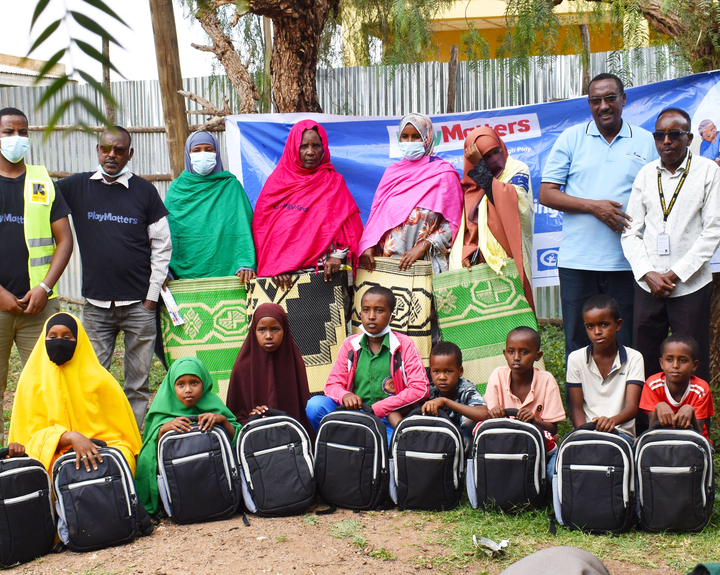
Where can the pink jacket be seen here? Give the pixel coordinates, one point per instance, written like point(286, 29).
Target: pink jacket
point(408, 373)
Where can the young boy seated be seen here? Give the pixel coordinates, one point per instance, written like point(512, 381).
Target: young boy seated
point(522, 386)
point(378, 367)
point(675, 397)
point(450, 391)
point(604, 380)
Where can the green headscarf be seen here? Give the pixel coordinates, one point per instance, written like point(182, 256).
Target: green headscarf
point(165, 407)
point(210, 220)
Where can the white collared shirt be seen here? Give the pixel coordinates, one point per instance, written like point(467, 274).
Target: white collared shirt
point(693, 225)
point(160, 248)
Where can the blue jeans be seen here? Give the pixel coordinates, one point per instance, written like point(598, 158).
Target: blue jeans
point(320, 405)
point(578, 286)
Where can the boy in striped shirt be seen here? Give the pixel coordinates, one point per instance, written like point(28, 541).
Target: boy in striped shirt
point(675, 397)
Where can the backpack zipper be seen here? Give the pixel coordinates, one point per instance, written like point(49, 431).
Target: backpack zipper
point(21, 498)
point(181, 460)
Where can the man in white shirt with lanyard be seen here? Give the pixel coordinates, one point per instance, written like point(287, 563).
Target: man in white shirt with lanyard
point(674, 231)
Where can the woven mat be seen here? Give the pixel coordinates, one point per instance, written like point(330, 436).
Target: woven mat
point(215, 314)
point(413, 290)
point(476, 309)
point(316, 315)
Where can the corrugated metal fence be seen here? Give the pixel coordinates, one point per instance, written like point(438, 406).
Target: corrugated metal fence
point(376, 91)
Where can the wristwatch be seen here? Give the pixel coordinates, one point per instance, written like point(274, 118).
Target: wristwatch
point(48, 290)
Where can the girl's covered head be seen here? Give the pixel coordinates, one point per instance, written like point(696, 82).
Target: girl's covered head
point(269, 326)
point(190, 380)
point(61, 334)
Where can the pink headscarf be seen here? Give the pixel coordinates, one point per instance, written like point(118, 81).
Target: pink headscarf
point(301, 212)
point(430, 183)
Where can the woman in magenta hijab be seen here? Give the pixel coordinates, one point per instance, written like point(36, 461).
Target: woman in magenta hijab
point(305, 217)
point(418, 204)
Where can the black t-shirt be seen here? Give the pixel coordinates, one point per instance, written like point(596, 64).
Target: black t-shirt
point(14, 274)
point(111, 224)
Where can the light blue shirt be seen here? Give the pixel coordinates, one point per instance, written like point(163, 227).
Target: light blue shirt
point(590, 168)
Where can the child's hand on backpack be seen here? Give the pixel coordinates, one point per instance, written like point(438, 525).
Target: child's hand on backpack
point(605, 424)
point(179, 424)
point(683, 418)
point(259, 410)
point(525, 415)
point(431, 407)
point(206, 421)
point(16, 449)
point(497, 412)
point(352, 401)
point(665, 414)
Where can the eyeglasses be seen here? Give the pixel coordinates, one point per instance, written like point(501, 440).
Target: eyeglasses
point(609, 99)
point(674, 135)
point(119, 151)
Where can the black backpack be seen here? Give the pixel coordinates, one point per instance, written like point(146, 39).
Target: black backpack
point(427, 465)
point(507, 468)
point(676, 480)
point(99, 508)
point(27, 521)
point(197, 475)
point(274, 453)
point(594, 481)
point(351, 459)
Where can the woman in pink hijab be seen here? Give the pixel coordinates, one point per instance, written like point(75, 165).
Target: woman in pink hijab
point(418, 204)
point(305, 217)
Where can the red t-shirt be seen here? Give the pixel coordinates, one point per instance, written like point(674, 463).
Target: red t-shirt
point(697, 395)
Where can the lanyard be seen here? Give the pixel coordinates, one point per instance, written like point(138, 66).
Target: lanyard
point(668, 209)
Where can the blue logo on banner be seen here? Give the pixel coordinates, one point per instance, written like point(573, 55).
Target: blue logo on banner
point(547, 259)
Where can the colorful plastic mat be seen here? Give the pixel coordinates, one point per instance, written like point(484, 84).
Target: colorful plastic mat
point(476, 309)
point(216, 324)
point(413, 290)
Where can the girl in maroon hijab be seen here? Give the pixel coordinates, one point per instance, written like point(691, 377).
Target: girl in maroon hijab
point(305, 216)
point(269, 371)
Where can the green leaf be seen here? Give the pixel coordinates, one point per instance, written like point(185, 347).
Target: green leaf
point(93, 110)
point(95, 54)
point(41, 5)
point(52, 89)
point(55, 118)
point(51, 62)
point(93, 26)
point(104, 92)
point(45, 35)
point(100, 5)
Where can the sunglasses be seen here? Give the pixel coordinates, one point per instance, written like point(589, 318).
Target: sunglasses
point(609, 99)
point(674, 135)
point(119, 151)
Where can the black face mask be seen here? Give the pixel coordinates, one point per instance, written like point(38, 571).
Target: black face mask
point(60, 351)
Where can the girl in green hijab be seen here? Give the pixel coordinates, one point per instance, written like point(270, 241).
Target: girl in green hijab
point(186, 391)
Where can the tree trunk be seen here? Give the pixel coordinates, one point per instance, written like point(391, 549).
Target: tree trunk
point(225, 52)
point(715, 330)
point(297, 27)
point(168, 61)
point(452, 79)
point(109, 108)
point(585, 36)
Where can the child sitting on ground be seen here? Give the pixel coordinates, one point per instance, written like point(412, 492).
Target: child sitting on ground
point(450, 391)
point(675, 397)
point(379, 367)
point(604, 380)
point(522, 386)
point(186, 391)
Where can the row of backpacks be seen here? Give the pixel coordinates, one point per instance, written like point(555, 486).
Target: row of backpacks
point(600, 483)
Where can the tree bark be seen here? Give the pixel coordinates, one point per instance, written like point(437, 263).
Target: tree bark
point(225, 52)
point(168, 61)
point(452, 79)
point(297, 29)
point(585, 36)
point(715, 331)
point(109, 108)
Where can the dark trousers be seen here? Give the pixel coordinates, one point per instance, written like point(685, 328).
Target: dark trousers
point(688, 314)
point(578, 286)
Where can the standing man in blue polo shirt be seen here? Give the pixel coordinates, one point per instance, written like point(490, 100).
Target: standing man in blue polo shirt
point(596, 163)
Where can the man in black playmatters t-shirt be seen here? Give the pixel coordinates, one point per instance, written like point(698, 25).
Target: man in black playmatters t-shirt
point(35, 244)
point(122, 231)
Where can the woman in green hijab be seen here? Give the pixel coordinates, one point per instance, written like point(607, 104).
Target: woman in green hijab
point(210, 217)
point(186, 391)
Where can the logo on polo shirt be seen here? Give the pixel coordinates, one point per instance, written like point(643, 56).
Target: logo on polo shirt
point(110, 217)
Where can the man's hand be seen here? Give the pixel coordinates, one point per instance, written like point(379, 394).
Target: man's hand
point(660, 284)
point(332, 265)
point(609, 213)
point(352, 401)
point(9, 303)
point(665, 414)
point(150, 305)
point(605, 424)
point(34, 301)
point(431, 407)
point(367, 259)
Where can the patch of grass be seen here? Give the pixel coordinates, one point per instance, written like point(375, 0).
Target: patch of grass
point(359, 541)
point(281, 539)
point(345, 528)
point(382, 553)
point(311, 519)
point(553, 347)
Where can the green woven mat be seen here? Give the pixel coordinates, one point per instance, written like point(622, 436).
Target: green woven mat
point(215, 314)
point(413, 291)
point(476, 309)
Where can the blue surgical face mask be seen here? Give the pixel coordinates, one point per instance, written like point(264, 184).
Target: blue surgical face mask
point(383, 333)
point(120, 173)
point(203, 162)
point(14, 148)
point(412, 151)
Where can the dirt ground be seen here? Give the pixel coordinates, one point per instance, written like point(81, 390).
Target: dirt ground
point(388, 542)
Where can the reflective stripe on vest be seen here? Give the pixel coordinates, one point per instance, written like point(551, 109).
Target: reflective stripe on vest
point(39, 194)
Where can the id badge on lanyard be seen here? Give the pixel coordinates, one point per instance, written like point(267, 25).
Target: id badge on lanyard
point(663, 239)
point(663, 244)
